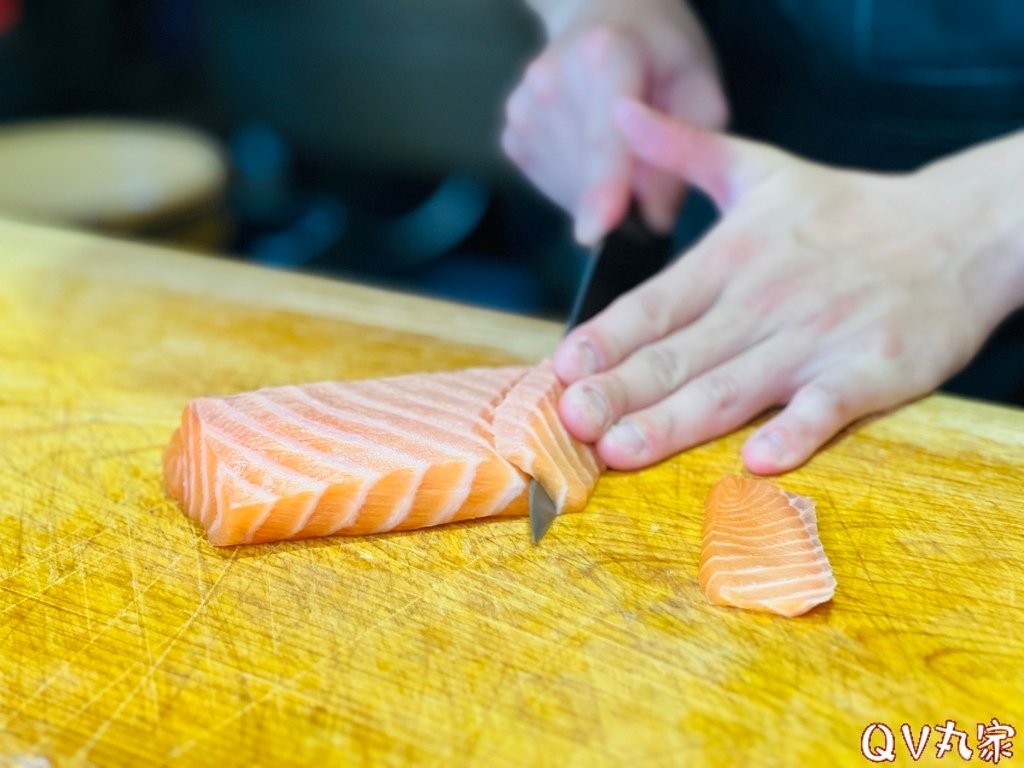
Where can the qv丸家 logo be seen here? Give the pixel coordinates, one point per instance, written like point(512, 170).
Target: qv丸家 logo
point(878, 742)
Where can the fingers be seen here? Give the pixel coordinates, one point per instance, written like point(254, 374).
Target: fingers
point(665, 303)
point(659, 195)
point(697, 94)
point(819, 410)
point(722, 166)
point(716, 402)
point(589, 407)
point(560, 132)
point(605, 199)
point(608, 69)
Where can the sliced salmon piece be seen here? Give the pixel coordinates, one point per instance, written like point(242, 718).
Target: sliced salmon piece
point(529, 433)
point(371, 456)
point(761, 551)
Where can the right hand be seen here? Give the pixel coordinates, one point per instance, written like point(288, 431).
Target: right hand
point(559, 129)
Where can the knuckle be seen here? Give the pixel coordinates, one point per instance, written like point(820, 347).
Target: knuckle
point(599, 41)
point(655, 311)
point(828, 403)
point(831, 314)
point(615, 390)
point(720, 391)
point(886, 343)
point(667, 367)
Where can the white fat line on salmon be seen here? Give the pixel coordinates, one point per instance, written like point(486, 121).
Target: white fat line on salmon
point(301, 520)
point(331, 461)
point(197, 478)
point(804, 601)
point(355, 417)
point(822, 583)
point(566, 444)
point(457, 384)
point(464, 378)
point(802, 574)
point(401, 510)
point(563, 492)
point(484, 405)
point(206, 500)
point(803, 555)
point(531, 395)
point(186, 459)
point(493, 399)
point(419, 466)
point(279, 474)
point(398, 459)
point(458, 499)
point(311, 505)
point(226, 472)
point(737, 543)
point(357, 502)
point(375, 405)
point(820, 571)
point(754, 531)
point(483, 379)
point(449, 403)
point(515, 488)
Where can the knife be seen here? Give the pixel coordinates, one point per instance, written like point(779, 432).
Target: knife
point(626, 257)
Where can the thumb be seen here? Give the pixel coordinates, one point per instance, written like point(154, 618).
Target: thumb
point(722, 166)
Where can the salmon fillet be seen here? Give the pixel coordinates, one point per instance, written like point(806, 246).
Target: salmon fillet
point(761, 551)
point(357, 457)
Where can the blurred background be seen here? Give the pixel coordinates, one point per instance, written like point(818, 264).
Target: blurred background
point(356, 139)
point(361, 137)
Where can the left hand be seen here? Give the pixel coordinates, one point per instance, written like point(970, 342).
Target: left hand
point(838, 292)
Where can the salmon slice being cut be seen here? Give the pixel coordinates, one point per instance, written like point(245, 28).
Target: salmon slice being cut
point(355, 457)
point(761, 551)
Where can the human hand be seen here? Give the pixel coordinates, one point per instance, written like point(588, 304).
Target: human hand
point(838, 292)
point(558, 125)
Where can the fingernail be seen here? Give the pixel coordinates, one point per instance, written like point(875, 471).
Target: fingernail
point(584, 358)
point(591, 405)
point(628, 437)
point(769, 445)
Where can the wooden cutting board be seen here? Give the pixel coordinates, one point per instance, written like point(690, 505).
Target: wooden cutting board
point(127, 640)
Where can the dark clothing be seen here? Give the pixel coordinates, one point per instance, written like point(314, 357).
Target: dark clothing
point(883, 84)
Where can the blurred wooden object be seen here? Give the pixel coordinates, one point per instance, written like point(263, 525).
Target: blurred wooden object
point(138, 179)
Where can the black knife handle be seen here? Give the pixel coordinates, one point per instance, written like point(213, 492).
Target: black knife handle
point(629, 255)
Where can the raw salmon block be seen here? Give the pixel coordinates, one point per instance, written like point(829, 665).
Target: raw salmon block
point(355, 457)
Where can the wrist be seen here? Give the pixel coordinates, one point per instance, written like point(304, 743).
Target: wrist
point(993, 261)
point(982, 205)
point(1015, 260)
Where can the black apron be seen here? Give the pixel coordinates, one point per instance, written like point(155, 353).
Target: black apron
point(878, 84)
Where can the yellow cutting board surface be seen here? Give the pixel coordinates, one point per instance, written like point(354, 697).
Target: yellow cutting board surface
point(127, 640)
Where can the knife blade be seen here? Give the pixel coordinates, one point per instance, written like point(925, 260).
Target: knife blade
point(627, 256)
